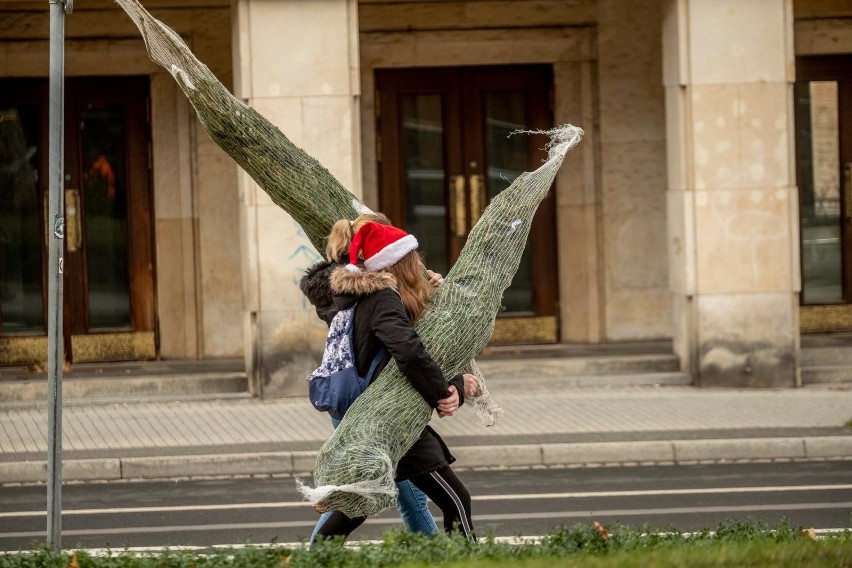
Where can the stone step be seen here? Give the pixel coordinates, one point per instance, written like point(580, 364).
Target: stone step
point(132, 380)
point(196, 385)
point(568, 367)
point(827, 374)
point(823, 356)
point(499, 383)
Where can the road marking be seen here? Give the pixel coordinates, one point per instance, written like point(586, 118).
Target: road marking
point(665, 511)
point(653, 492)
point(509, 497)
point(595, 514)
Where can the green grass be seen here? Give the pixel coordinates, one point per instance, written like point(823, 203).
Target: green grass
point(731, 544)
point(798, 554)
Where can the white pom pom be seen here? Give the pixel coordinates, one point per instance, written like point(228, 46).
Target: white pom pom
point(352, 268)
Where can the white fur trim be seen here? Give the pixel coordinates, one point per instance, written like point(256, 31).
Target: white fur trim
point(392, 253)
point(352, 268)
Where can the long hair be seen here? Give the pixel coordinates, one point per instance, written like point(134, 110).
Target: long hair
point(413, 287)
point(338, 241)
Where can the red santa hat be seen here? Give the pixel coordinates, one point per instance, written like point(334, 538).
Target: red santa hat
point(381, 246)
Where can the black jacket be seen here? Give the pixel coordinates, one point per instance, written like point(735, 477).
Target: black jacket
point(381, 319)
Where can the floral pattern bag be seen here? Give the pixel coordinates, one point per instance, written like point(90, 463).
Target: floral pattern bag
point(335, 384)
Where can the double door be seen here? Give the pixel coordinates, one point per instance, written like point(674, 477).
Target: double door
point(823, 95)
point(447, 144)
point(108, 272)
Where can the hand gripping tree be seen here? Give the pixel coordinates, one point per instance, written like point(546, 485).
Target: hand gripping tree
point(355, 467)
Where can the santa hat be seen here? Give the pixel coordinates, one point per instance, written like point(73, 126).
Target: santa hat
point(381, 245)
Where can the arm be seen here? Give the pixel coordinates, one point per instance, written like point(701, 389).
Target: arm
point(390, 324)
point(461, 386)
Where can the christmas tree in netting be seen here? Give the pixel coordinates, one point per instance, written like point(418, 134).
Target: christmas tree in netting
point(355, 467)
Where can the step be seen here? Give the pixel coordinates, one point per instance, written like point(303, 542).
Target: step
point(129, 381)
point(826, 356)
point(625, 364)
point(819, 349)
point(502, 383)
point(567, 367)
point(200, 385)
point(827, 374)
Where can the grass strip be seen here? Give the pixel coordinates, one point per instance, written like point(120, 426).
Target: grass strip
point(733, 543)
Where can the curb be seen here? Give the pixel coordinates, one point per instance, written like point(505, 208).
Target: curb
point(521, 455)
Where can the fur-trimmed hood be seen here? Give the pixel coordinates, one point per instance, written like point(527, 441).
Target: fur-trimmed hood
point(315, 286)
point(360, 283)
point(329, 287)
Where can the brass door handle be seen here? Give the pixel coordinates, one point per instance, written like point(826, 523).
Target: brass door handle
point(73, 232)
point(458, 224)
point(847, 190)
point(477, 197)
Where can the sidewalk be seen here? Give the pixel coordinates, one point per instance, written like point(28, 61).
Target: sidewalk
point(540, 427)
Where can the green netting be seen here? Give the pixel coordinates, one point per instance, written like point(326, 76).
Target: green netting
point(354, 471)
point(355, 467)
point(295, 181)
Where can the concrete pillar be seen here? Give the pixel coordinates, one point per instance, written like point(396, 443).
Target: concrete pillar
point(732, 203)
point(295, 62)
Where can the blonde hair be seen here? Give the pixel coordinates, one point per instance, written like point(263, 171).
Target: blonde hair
point(410, 272)
point(411, 283)
point(342, 231)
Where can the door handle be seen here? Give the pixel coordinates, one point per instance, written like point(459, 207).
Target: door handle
point(477, 197)
point(847, 191)
point(458, 226)
point(73, 234)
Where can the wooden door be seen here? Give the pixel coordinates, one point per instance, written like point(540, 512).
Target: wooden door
point(445, 150)
point(108, 263)
point(823, 95)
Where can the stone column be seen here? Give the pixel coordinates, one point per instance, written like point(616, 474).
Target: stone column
point(295, 62)
point(732, 202)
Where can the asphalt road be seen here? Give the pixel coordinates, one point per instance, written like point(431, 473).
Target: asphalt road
point(510, 503)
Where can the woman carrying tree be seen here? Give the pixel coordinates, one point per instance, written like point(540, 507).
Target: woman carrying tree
point(315, 285)
point(392, 293)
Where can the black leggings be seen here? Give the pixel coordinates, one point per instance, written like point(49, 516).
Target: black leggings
point(441, 486)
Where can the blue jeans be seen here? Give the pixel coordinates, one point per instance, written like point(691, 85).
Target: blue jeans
point(411, 503)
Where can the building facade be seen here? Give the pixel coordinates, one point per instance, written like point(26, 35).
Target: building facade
point(707, 205)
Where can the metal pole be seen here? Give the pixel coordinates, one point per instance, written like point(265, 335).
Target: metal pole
point(56, 229)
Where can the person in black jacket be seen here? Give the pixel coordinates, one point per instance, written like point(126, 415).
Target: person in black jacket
point(411, 502)
point(392, 293)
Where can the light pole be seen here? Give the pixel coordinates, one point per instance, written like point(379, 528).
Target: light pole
point(56, 233)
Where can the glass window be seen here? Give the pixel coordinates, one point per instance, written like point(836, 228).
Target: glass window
point(105, 214)
point(505, 112)
point(425, 179)
point(21, 245)
point(819, 196)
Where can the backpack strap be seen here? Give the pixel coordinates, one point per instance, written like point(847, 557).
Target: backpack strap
point(375, 363)
point(350, 329)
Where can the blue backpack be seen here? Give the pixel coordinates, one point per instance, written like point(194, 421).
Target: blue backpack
point(335, 384)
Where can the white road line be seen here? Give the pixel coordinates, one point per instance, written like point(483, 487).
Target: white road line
point(187, 528)
point(596, 514)
point(509, 497)
point(653, 492)
point(665, 511)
